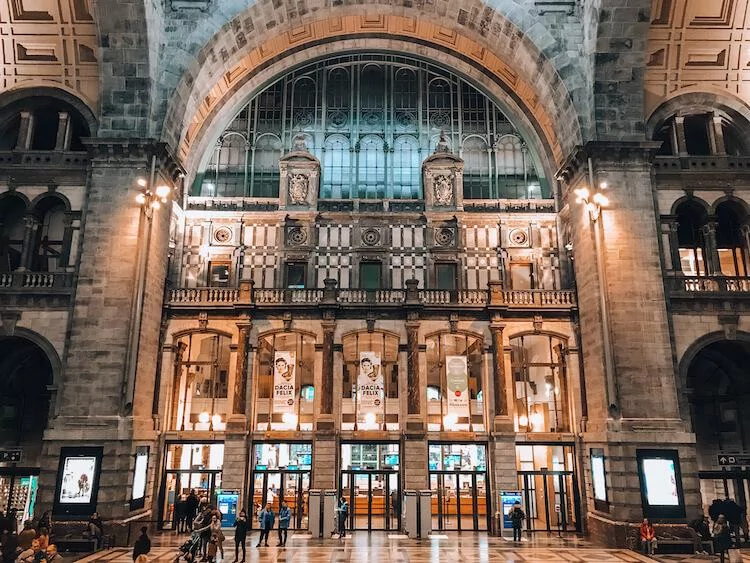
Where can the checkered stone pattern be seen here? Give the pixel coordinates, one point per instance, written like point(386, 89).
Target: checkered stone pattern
point(260, 260)
point(193, 260)
point(333, 265)
point(480, 260)
point(408, 256)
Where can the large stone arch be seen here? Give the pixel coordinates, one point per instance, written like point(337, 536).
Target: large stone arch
point(240, 54)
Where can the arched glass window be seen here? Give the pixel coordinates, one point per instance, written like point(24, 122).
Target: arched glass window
point(454, 371)
point(336, 168)
point(406, 168)
point(691, 218)
point(730, 216)
point(200, 392)
point(370, 381)
point(388, 110)
point(476, 168)
point(265, 167)
point(285, 358)
point(12, 210)
point(540, 384)
point(371, 177)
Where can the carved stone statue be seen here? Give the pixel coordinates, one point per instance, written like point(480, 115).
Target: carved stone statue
point(299, 186)
point(442, 186)
point(442, 145)
point(298, 143)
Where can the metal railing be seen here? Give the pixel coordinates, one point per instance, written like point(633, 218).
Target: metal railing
point(37, 281)
point(708, 284)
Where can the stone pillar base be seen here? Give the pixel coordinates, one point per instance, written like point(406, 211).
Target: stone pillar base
point(503, 424)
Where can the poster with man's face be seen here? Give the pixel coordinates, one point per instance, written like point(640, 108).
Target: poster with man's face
point(284, 396)
point(457, 379)
point(77, 480)
point(370, 387)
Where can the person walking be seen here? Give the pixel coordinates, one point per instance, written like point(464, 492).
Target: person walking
point(142, 545)
point(202, 524)
point(215, 537)
point(285, 516)
point(517, 516)
point(343, 514)
point(648, 537)
point(722, 537)
point(240, 535)
point(266, 519)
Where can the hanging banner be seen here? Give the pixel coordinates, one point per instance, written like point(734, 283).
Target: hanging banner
point(370, 388)
point(457, 379)
point(283, 381)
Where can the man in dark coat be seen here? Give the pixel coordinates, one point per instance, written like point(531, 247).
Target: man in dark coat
point(191, 507)
point(142, 545)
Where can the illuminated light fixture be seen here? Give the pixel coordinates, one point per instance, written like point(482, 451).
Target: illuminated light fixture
point(215, 420)
point(155, 204)
point(162, 191)
point(450, 420)
point(370, 419)
point(140, 198)
point(290, 419)
point(204, 417)
point(141, 182)
point(603, 185)
point(523, 421)
point(593, 202)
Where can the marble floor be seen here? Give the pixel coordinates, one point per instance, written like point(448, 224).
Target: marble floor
point(381, 548)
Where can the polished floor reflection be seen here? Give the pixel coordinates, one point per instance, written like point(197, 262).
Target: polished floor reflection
point(364, 547)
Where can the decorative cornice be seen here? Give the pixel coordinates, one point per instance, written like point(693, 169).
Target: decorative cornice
point(610, 152)
point(126, 149)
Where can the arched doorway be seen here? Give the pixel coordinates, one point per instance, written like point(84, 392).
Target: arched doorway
point(718, 391)
point(26, 375)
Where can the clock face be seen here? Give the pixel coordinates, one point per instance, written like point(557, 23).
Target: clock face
point(222, 235)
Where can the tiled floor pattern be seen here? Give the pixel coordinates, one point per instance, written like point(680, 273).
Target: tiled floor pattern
point(696, 558)
point(372, 549)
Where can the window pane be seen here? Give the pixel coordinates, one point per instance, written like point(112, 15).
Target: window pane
point(369, 275)
point(446, 276)
point(691, 260)
point(296, 275)
point(219, 274)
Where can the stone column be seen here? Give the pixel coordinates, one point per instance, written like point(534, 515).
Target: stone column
point(25, 131)
point(679, 133)
point(674, 244)
point(239, 406)
point(711, 258)
point(414, 396)
point(62, 143)
point(31, 225)
point(717, 136)
point(326, 387)
point(498, 370)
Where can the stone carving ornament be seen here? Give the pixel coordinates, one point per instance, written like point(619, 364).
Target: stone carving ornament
point(444, 236)
point(442, 187)
point(370, 237)
point(299, 186)
point(297, 236)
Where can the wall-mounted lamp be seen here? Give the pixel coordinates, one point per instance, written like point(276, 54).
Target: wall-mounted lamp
point(151, 198)
point(593, 201)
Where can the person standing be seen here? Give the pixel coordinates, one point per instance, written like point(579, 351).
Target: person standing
point(648, 537)
point(722, 537)
point(179, 514)
point(9, 546)
point(191, 507)
point(343, 513)
point(267, 519)
point(142, 545)
point(285, 515)
point(517, 516)
point(26, 536)
point(240, 535)
point(43, 538)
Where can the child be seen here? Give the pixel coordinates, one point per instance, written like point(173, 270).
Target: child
point(213, 544)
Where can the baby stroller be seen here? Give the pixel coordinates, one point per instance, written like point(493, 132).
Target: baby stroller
point(189, 549)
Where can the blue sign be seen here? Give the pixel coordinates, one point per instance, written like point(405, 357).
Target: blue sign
point(227, 504)
point(507, 500)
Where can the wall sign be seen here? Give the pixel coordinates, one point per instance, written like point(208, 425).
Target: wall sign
point(661, 483)
point(599, 480)
point(140, 473)
point(77, 482)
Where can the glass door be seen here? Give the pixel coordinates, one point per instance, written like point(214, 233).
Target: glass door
point(374, 499)
point(178, 484)
point(550, 501)
point(275, 486)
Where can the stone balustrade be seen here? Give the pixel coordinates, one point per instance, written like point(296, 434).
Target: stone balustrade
point(707, 285)
point(37, 282)
point(470, 298)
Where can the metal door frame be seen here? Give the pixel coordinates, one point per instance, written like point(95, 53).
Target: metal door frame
point(440, 474)
point(565, 495)
point(282, 480)
point(351, 473)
